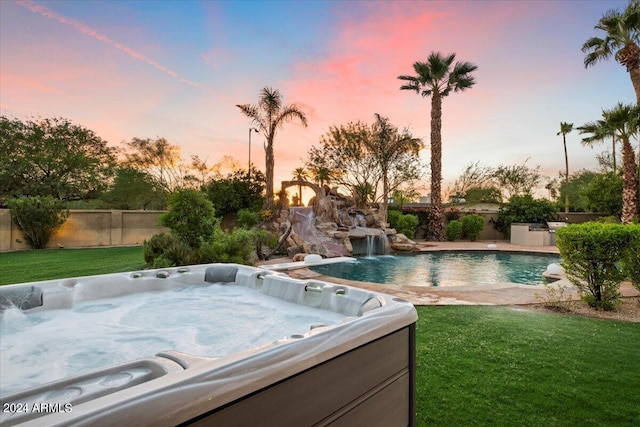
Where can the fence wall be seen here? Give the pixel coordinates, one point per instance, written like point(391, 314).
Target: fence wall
point(87, 228)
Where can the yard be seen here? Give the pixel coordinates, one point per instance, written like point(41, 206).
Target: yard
point(476, 365)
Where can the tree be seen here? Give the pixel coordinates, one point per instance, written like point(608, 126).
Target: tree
point(52, 157)
point(437, 78)
point(353, 156)
point(600, 130)
point(565, 128)
point(342, 155)
point(388, 146)
point(300, 174)
point(575, 190)
point(621, 41)
point(268, 115)
point(39, 218)
point(161, 160)
point(516, 180)
point(134, 189)
point(623, 121)
point(238, 190)
point(603, 194)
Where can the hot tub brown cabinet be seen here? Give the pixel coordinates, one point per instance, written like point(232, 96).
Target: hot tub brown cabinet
point(372, 385)
point(359, 371)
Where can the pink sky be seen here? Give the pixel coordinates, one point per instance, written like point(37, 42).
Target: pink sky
point(177, 70)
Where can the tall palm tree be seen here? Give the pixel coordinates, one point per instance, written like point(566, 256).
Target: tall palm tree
point(621, 41)
point(437, 77)
point(268, 115)
point(387, 146)
point(300, 174)
point(623, 120)
point(565, 128)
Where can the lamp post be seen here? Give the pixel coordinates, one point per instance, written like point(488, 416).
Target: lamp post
point(249, 166)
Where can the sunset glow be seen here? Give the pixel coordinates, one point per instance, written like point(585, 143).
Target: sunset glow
point(176, 70)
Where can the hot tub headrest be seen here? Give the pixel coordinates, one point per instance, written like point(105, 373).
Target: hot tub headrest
point(221, 274)
point(22, 297)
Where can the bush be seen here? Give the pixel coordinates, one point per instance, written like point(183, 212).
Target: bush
point(472, 226)
point(38, 218)
point(524, 209)
point(631, 261)
point(191, 217)
point(454, 230)
point(407, 225)
point(166, 250)
point(591, 254)
point(247, 218)
point(237, 246)
point(392, 218)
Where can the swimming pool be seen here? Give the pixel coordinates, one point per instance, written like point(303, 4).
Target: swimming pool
point(450, 268)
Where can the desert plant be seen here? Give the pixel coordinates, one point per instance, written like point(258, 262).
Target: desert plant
point(591, 254)
point(38, 218)
point(472, 226)
point(454, 230)
point(236, 246)
point(166, 250)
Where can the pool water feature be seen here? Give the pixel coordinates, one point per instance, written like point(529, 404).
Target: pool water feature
point(445, 268)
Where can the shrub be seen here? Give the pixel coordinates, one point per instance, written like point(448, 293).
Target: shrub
point(454, 230)
point(247, 218)
point(166, 250)
point(237, 246)
point(591, 254)
point(38, 218)
point(524, 209)
point(392, 218)
point(191, 216)
point(631, 261)
point(407, 225)
point(472, 226)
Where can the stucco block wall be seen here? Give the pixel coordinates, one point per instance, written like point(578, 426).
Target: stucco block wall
point(87, 228)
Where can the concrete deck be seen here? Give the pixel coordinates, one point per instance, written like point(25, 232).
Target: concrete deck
point(497, 294)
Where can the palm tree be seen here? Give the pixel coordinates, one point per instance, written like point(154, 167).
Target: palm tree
point(300, 174)
point(623, 121)
point(387, 146)
point(437, 78)
point(600, 130)
point(621, 41)
point(565, 128)
point(268, 116)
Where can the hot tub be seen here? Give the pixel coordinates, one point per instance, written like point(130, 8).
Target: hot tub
point(356, 367)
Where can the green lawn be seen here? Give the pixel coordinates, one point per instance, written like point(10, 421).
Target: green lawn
point(477, 365)
point(46, 264)
point(488, 366)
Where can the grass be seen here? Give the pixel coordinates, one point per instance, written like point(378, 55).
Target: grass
point(479, 366)
point(47, 264)
point(476, 365)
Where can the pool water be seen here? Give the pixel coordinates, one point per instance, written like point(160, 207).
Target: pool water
point(445, 268)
